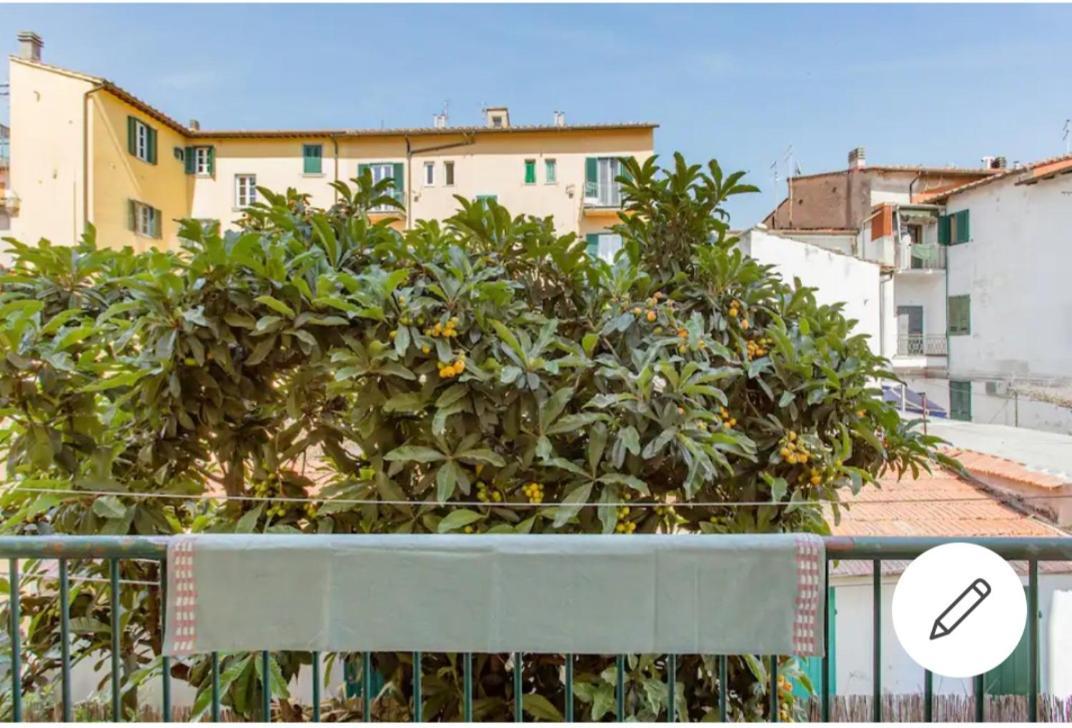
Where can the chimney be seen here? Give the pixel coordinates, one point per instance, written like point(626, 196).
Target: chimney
point(194, 125)
point(998, 163)
point(497, 117)
point(857, 160)
point(30, 45)
point(439, 121)
point(988, 162)
point(560, 118)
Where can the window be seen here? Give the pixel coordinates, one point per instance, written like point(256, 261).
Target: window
point(429, 174)
point(448, 173)
point(530, 171)
point(141, 140)
point(144, 219)
point(245, 189)
point(959, 313)
point(601, 188)
point(603, 245)
point(312, 159)
point(954, 228)
point(960, 400)
point(385, 170)
point(203, 160)
point(550, 171)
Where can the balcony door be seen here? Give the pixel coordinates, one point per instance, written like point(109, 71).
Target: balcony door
point(910, 330)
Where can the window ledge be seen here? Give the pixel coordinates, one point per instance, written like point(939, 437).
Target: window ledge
point(313, 174)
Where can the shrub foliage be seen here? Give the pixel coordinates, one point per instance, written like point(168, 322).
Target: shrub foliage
point(480, 375)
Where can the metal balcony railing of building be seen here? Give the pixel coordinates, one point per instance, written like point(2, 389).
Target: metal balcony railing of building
point(922, 345)
point(921, 256)
point(114, 550)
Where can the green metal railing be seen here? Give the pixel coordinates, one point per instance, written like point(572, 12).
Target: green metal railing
point(876, 550)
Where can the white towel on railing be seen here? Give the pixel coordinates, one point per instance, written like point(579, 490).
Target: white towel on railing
point(683, 594)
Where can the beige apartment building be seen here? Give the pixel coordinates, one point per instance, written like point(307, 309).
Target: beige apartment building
point(85, 151)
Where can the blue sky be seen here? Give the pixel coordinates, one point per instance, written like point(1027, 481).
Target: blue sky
point(933, 84)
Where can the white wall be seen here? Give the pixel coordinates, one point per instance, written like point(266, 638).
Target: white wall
point(837, 278)
point(900, 675)
point(1016, 270)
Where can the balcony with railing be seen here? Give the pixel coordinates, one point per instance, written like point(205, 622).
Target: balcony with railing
point(922, 345)
point(922, 257)
point(602, 191)
point(29, 583)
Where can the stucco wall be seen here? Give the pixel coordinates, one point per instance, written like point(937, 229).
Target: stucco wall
point(837, 278)
point(117, 176)
point(1015, 268)
point(46, 153)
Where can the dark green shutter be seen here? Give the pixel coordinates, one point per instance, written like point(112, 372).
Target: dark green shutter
point(1011, 677)
point(963, 231)
point(362, 169)
point(530, 171)
point(191, 159)
point(591, 177)
point(150, 136)
point(623, 171)
point(132, 135)
point(312, 156)
point(132, 215)
point(960, 400)
point(958, 312)
point(593, 244)
point(400, 182)
point(212, 161)
point(944, 229)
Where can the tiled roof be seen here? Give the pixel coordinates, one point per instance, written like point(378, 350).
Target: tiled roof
point(324, 133)
point(918, 169)
point(936, 504)
point(977, 462)
point(1030, 173)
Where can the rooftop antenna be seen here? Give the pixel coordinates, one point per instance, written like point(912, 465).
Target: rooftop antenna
point(1067, 136)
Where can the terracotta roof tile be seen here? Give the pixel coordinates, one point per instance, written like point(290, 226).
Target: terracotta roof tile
point(977, 462)
point(1026, 171)
point(936, 504)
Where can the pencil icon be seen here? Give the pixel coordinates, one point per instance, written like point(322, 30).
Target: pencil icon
point(961, 607)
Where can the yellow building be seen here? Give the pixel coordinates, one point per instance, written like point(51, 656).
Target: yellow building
point(85, 151)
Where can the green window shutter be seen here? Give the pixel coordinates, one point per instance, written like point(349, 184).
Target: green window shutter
point(591, 177)
point(400, 182)
point(212, 161)
point(530, 171)
point(190, 155)
point(151, 138)
point(1011, 677)
point(944, 229)
point(963, 231)
point(362, 170)
point(593, 244)
point(157, 224)
point(132, 135)
point(623, 171)
point(959, 315)
point(132, 215)
point(312, 155)
point(960, 400)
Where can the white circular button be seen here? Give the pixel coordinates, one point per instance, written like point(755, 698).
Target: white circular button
point(959, 610)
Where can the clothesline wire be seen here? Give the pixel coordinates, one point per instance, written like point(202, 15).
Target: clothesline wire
point(529, 505)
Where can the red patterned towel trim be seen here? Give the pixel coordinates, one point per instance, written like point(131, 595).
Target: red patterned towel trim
point(807, 629)
point(182, 598)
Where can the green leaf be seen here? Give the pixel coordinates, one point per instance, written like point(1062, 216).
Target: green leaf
point(276, 305)
point(415, 454)
point(249, 519)
point(457, 519)
point(108, 506)
point(571, 504)
point(540, 707)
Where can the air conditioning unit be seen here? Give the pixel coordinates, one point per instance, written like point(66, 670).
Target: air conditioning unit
point(997, 389)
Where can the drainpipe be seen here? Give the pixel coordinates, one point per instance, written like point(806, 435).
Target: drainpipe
point(467, 139)
point(335, 145)
point(85, 157)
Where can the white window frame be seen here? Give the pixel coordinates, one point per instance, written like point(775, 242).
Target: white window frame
point(141, 140)
point(608, 192)
point(241, 194)
point(448, 173)
point(609, 245)
point(381, 171)
point(429, 174)
point(550, 171)
point(144, 220)
point(201, 162)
